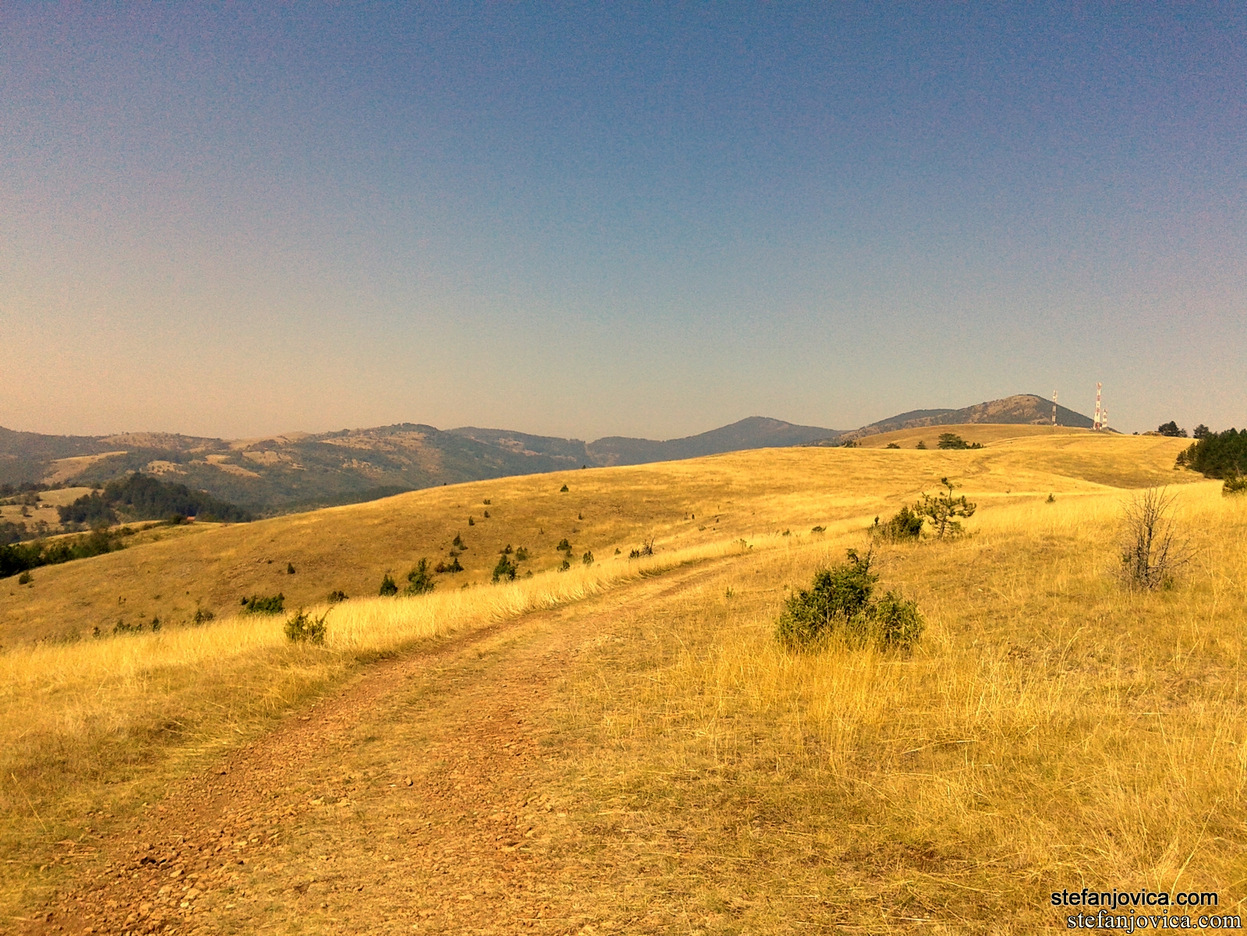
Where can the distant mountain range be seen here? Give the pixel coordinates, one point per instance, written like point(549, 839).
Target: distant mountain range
point(302, 470)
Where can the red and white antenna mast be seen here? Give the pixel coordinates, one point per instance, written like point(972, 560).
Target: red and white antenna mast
point(1098, 423)
point(1054, 407)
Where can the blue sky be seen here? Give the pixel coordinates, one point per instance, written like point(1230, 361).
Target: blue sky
point(589, 220)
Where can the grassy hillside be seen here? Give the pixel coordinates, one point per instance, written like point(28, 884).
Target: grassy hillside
point(675, 504)
point(1051, 730)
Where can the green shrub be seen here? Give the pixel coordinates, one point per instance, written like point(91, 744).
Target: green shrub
point(564, 545)
point(25, 578)
point(457, 543)
point(892, 445)
point(838, 604)
point(1235, 485)
point(388, 588)
point(587, 558)
point(896, 623)
point(565, 565)
point(202, 616)
point(263, 604)
point(420, 579)
point(563, 489)
point(521, 555)
point(921, 444)
point(336, 596)
point(303, 628)
point(290, 568)
point(471, 522)
point(905, 524)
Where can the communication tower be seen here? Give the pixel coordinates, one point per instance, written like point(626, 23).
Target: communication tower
point(1098, 423)
point(1053, 407)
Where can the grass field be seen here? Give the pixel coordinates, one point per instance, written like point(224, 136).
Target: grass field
point(1052, 730)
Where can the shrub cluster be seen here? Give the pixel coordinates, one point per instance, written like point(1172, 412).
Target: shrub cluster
point(263, 604)
point(950, 440)
point(1217, 454)
point(839, 605)
point(21, 557)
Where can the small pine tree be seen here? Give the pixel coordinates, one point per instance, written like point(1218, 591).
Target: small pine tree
point(921, 444)
point(505, 570)
point(420, 579)
point(942, 510)
point(388, 588)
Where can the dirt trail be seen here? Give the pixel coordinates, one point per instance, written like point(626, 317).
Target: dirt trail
point(409, 802)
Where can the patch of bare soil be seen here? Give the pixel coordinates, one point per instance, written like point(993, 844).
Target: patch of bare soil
point(412, 802)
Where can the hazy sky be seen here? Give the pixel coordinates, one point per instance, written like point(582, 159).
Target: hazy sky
point(631, 219)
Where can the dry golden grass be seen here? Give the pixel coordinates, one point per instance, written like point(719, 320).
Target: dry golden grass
point(1052, 730)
